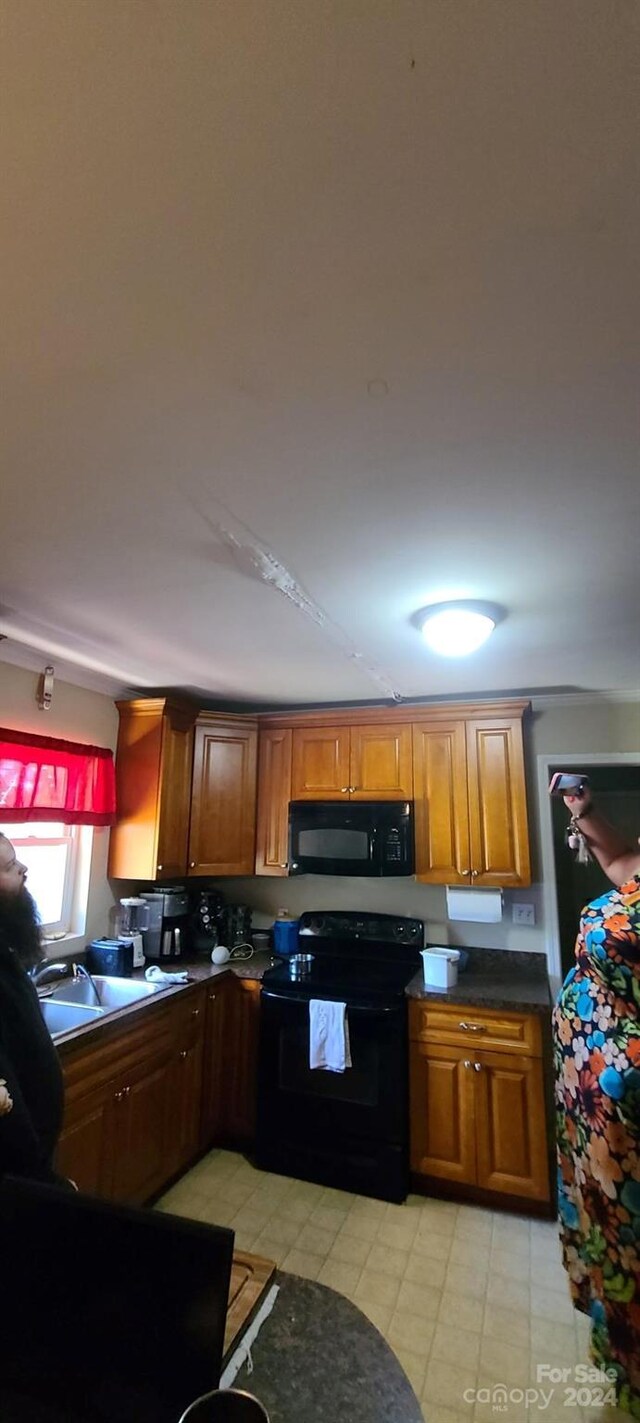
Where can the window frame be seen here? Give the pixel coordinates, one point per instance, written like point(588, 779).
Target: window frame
point(20, 833)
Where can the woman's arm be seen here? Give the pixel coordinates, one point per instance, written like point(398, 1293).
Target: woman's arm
point(613, 851)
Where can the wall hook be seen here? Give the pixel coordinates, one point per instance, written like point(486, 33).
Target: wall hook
point(44, 693)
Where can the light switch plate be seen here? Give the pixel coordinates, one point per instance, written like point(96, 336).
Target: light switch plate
point(524, 914)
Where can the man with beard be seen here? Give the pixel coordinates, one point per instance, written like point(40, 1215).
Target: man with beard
point(31, 1086)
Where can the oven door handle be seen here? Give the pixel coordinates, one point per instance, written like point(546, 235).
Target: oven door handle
point(373, 1008)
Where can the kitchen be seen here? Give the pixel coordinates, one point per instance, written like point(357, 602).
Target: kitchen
point(318, 319)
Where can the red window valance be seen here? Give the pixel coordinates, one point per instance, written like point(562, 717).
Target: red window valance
point(43, 778)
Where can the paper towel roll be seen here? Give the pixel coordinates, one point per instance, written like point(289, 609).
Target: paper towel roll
point(480, 906)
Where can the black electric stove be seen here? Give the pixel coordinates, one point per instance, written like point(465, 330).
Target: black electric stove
point(345, 1129)
point(352, 956)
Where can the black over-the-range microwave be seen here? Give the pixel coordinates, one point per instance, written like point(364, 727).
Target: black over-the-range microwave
point(328, 837)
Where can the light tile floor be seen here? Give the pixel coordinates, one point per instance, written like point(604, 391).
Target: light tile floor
point(468, 1299)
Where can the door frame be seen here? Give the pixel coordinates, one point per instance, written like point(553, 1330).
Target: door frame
point(572, 761)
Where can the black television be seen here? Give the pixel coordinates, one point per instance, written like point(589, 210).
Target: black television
point(108, 1313)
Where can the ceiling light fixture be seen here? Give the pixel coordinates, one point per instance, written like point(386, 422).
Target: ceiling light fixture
point(456, 629)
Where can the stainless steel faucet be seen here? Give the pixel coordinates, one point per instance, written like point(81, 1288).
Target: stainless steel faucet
point(79, 971)
point(45, 970)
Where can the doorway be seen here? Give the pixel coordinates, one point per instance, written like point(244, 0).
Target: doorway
point(617, 791)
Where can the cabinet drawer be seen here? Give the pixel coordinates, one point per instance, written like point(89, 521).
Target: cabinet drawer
point(463, 1024)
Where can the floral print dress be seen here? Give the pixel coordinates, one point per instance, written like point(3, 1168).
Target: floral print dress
point(596, 1024)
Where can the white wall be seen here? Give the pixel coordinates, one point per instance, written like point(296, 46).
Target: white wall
point(75, 715)
point(591, 727)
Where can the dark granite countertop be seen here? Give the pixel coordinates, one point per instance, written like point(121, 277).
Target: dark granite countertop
point(497, 978)
point(318, 1359)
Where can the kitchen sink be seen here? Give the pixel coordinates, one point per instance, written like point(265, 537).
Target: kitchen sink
point(62, 1017)
point(113, 993)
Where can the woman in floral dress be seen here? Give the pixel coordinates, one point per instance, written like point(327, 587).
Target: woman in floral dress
point(596, 1025)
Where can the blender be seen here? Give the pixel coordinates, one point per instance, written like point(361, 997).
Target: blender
point(133, 919)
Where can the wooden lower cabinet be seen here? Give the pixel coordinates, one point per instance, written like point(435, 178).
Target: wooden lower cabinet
point(141, 1102)
point(231, 1061)
point(137, 1132)
point(478, 1117)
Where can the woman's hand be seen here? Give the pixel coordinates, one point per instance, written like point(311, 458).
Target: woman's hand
point(578, 804)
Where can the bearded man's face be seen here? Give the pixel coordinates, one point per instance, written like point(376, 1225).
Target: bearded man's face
point(19, 922)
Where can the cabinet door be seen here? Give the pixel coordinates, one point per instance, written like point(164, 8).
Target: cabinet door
point(222, 832)
point(212, 1118)
point(274, 794)
point(175, 800)
point(138, 1147)
point(498, 830)
point(442, 1136)
point(241, 1032)
point(511, 1125)
point(381, 766)
point(83, 1145)
point(320, 763)
point(441, 809)
point(153, 790)
point(185, 1097)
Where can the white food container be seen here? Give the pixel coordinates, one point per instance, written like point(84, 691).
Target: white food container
point(440, 967)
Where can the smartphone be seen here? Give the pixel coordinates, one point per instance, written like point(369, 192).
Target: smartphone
point(568, 783)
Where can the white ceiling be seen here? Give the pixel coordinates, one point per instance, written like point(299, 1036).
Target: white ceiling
point(348, 285)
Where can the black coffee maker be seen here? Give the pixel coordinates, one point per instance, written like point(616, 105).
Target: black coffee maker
point(207, 910)
point(235, 925)
point(166, 938)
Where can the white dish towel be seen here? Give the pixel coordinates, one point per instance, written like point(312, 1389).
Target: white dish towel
point(329, 1046)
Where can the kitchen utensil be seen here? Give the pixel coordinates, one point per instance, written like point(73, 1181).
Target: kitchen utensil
point(300, 965)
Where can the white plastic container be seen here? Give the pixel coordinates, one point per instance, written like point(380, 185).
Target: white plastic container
point(440, 967)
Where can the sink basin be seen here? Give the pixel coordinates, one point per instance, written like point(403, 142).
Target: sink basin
point(61, 1017)
point(113, 993)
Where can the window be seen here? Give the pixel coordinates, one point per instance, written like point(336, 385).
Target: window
point(50, 851)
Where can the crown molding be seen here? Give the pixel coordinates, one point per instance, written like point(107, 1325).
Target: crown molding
point(582, 699)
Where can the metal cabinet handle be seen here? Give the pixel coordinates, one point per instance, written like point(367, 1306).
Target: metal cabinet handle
point(117, 1096)
point(354, 788)
point(465, 872)
point(127, 1091)
point(195, 1012)
point(474, 873)
point(467, 1063)
point(477, 1067)
point(345, 789)
point(182, 1054)
point(212, 997)
point(192, 864)
point(472, 1027)
point(284, 865)
point(159, 867)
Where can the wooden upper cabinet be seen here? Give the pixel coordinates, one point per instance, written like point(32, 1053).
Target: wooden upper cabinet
point(470, 802)
point(441, 811)
point(320, 763)
point(369, 762)
point(153, 790)
point(381, 764)
point(499, 838)
point(223, 796)
point(274, 794)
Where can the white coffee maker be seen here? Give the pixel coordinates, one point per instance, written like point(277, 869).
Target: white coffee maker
point(133, 919)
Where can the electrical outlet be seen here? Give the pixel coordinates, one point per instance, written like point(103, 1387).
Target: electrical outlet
point(524, 914)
